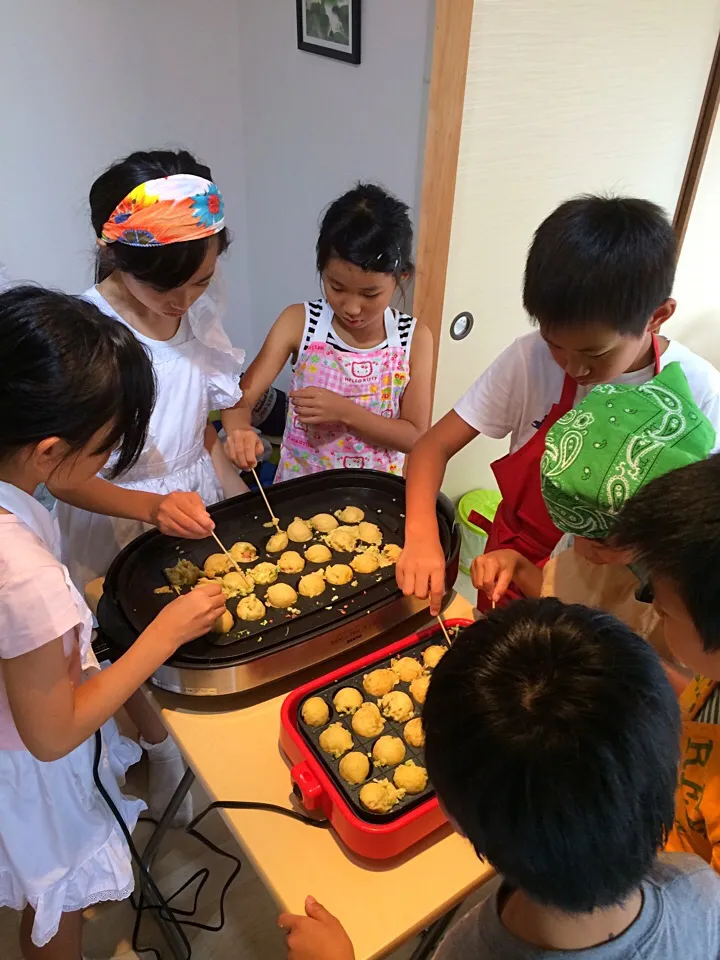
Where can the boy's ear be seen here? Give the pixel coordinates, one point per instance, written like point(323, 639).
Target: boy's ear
point(661, 315)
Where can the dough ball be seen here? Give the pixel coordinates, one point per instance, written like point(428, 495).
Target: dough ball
point(318, 553)
point(369, 533)
point(204, 581)
point(183, 574)
point(367, 562)
point(323, 522)
point(291, 562)
point(281, 596)
point(347, 700)
point(335, 740)
point(224, 623)
point(299, 531)
point(243, 552)
point(380, 796)
point(367, 721)
point(277, 542)
point(234, 584)
point(414, 733)
point(407, 669)
point(433, 655)
point(419, 689)
point(410, 777)
point(390, 554)
point(264, 573)
point(380, 682)
point(251, 608)
point(397, 706)
point(338, 574)
point(315, 712)
point(354, 767)
point(350, 515)
point(311, 585)
point(389, 751)
point(342, 539)
point(216, 564)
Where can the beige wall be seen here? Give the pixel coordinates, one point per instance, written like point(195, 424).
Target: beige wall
point(563, 98)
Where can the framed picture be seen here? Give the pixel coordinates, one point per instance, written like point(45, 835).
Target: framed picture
point(330, 28)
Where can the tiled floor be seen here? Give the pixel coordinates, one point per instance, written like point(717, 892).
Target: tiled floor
point(250, 931)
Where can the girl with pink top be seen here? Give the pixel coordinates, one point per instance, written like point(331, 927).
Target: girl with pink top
point(360, 390)
point(75, 387)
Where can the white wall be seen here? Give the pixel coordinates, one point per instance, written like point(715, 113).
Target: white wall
point(86, 81)
point(313, 126)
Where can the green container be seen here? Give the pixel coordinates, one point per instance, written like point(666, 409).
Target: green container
point(472, 537)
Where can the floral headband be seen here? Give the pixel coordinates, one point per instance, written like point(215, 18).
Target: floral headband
point(170, 210)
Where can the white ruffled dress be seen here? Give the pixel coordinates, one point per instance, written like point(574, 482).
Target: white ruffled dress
point(197, 371)
point(61, 849)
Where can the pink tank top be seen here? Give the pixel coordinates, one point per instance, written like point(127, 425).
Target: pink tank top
point(374, 378)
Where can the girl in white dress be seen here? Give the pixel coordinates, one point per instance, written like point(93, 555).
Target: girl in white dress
point(74, 387)
point(160, 227)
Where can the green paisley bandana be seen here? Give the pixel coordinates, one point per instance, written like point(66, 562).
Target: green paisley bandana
point(617, 439)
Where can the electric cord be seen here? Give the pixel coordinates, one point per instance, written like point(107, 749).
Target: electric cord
point(163, 906)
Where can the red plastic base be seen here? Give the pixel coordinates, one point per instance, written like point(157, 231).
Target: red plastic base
point(317, 790)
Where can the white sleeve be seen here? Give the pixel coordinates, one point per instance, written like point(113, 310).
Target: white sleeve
point(493, 404)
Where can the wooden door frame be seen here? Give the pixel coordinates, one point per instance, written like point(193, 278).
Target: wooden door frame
point(451, 49)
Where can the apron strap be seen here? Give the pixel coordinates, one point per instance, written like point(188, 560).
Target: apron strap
point(656, 352)
point(567, 397)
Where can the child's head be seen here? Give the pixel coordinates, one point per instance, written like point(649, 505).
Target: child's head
point(74, 387)
point(552, 741)
point(363, 252)
point(168, 257)
point(598, 279)
point(673, 526)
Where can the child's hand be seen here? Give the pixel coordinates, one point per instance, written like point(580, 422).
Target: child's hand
point(316, 405)
point(244, 447)
point(191, 615)
point(420, 572)
point(493, 572)
point(182, 515)
point(318, 936)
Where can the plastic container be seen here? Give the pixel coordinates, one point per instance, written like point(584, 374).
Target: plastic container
point(473, 537)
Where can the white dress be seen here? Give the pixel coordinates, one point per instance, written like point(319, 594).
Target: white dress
point(61, 849)
point(197, 371)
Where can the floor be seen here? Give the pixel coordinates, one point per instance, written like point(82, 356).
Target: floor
point(250, 931)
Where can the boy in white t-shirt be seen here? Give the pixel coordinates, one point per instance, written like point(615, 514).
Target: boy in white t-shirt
point(598, 280)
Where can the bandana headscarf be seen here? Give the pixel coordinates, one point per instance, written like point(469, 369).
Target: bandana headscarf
point(616, 440)
point(170, 210)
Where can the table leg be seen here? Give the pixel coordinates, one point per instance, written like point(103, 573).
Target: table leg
point(175, 942)
point(431, 937)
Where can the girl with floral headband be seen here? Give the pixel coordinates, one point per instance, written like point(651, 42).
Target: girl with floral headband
point(360, 392)
point(160, 228)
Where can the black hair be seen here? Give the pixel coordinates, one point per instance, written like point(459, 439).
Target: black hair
point(608, 260)
point(165, 267)
point(369, 228)
point(67, 370)
point(673, 524)
point(553, 742)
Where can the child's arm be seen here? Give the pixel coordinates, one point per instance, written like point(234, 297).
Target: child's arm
point(175, 514)
point(421, 568)
point(281, 343)
point(494, 572)
point(317, 936)
point(53, 717)
point(316, 405)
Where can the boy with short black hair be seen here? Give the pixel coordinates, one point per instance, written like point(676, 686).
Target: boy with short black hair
point(598, 284)
point(673, 526)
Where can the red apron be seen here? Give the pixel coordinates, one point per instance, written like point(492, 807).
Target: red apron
point(522, 522)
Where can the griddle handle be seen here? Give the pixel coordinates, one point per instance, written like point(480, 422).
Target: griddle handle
point(309, 787)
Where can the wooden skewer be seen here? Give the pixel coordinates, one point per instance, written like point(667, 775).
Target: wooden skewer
point(444, 630)
point(231, 559)
point(274, 519)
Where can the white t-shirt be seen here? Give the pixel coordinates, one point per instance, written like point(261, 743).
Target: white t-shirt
point(515, 394)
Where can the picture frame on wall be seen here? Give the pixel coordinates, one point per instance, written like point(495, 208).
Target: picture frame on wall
point(330, 28)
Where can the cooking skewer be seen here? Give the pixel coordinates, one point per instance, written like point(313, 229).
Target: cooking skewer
point(444, 630)
point(276, 522)
point(231, 559)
